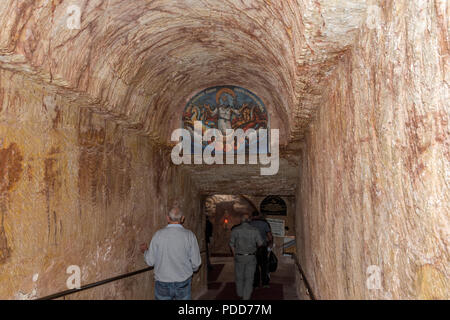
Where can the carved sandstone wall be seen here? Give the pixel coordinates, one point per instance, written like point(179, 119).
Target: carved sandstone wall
point(375, 165)
point(78, 189)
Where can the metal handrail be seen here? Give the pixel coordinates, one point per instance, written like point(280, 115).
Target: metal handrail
point(305, 280)
point(92, 285)
point(96, 284)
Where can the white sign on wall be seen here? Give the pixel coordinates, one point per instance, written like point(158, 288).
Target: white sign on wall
point(277, 226)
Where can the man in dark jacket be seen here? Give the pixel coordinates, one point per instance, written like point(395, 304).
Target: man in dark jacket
point(262, 273)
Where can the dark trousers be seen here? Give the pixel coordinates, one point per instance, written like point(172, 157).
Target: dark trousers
point(261, 272)
point(208, 260)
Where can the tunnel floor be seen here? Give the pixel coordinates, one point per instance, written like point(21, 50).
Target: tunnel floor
point(221, 285)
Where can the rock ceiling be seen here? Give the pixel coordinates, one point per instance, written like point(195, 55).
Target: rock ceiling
point(239, 179)
point(140, 61)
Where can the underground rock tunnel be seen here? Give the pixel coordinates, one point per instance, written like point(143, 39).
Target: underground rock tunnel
point(92, 90)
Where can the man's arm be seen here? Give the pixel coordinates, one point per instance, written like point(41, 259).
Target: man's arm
point(150, 253)
point(143, 247)
point(269, 234)
point(258, 239)
point(196, 259)
point(232, 242)
point(269, 239)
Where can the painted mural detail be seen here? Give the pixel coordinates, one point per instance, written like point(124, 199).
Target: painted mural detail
point(225, 107)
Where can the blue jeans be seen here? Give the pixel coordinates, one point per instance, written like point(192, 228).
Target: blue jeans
point(173, 290)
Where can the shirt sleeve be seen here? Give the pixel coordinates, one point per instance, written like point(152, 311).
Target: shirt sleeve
point(196, 259)
point(150, 253)
point(232, 239)
point(268, 229)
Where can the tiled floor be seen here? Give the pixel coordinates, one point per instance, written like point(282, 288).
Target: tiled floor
point(221, 285)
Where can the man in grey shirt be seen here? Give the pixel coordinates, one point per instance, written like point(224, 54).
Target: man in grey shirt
point(175, 254)
point(244, 242)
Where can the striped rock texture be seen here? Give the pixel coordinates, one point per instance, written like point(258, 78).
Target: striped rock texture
point(91, 90)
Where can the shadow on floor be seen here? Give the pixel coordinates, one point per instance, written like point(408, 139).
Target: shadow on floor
point(275, 292)
point(214, 272)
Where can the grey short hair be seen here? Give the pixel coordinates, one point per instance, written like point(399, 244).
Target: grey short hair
point(175, 214)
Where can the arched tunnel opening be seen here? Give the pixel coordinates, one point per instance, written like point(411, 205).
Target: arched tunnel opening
point(112, 111)
point(224, 213)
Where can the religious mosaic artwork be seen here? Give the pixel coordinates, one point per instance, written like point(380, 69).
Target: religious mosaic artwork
point(226, 107)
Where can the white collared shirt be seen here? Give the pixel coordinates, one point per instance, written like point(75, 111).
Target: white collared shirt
point(174, 253)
